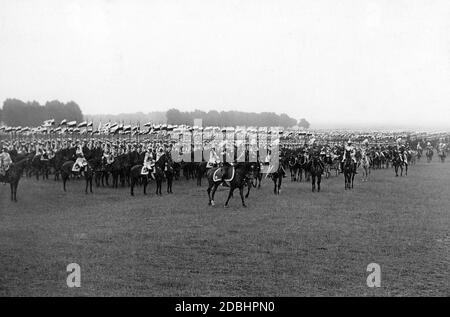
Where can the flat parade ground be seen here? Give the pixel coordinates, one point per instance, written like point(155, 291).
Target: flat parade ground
point(299, 243)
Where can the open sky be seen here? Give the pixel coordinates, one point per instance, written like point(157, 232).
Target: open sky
point(338, 63)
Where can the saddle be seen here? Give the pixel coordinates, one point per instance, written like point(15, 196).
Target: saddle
point(3, 171)
point(144, 170)
point(77, 167)
point(224, 173)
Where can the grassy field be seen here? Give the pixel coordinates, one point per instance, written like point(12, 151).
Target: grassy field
point(297, 244)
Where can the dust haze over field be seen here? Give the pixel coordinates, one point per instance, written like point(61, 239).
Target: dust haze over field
point(299, 243)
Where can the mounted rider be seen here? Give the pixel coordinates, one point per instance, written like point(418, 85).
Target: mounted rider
point(442, 146)
point(214, 158)
point(108, 155)
point(401, 151)
point(365, 150)
point(80, 162)
point(5, 160)
point(349, 150)
point(148, 161)
point(314, 152)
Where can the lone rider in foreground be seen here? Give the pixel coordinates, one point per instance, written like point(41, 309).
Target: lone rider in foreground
point(213, 158)
point(350, 149)
point(314, 152)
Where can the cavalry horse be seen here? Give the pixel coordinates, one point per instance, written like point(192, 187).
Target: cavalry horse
point(200, 171)
point(136, 177)
point(66, 172)
point(293, 167)
point(160, 166)
point(277, 177)
point(169, 172)
point(419, 154)
point(237, 175)
point(398, 162)
point(315, 169)
point(40, 165)
point(429, 155)
point(442, 155)
point(365, 164)
point(349, 169)
point(12, 176)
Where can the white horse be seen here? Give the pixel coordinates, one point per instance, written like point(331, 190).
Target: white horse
point(365, 164)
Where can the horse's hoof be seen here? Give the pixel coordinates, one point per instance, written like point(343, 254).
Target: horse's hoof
point(245, 206)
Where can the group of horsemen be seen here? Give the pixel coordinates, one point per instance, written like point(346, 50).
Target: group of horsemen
point(153, 151)
point(46, 150)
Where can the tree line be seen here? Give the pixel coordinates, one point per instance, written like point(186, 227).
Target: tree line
point(156, 117)
point(233, 118)
point(15, 112)
point(18, 113)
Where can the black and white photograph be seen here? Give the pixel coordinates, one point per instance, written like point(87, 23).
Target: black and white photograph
point(224, 153)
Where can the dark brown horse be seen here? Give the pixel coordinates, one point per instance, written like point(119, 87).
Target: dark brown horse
point(136, 177)
point(12, 176)
point(349, 169)
point(277, 177)
point(238, 176)
point(315, 169)
point(399, 163)
point(160, 166)
point(66, 172)
point(169, 172)
point(429, 155)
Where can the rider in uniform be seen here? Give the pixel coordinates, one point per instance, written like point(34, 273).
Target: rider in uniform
point(5, 161)
point(349, 148)
point(148, 158)
point(315, 152)
point(213, 158)
point(80, 161)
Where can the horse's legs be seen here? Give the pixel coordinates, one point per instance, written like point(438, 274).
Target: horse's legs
point(145, 184)
point(64, 178)
point(16, 184)
point(214, 192)
point(12, 190)
point(313, 182)
point(248, 191)
point(168, 185)
point(159, 186)
point(230, 193)
point(208, 190)
point(241, 192)
point(280, 179)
